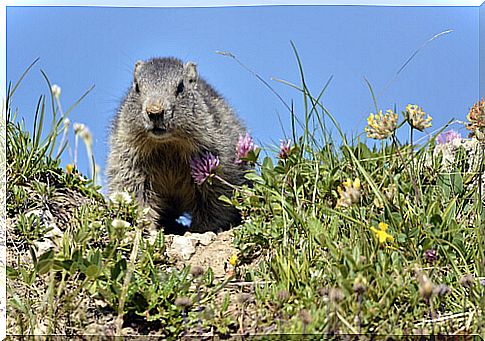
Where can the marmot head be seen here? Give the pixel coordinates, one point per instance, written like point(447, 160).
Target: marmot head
point(164, 95)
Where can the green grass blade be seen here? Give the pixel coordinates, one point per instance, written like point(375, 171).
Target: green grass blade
point(22, 77)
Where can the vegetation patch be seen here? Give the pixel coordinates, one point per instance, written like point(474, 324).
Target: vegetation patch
point(339, 236)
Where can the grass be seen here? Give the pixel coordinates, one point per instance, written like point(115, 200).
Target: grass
point(309, 259)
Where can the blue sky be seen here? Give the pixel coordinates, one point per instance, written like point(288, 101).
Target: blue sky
point(84, 46)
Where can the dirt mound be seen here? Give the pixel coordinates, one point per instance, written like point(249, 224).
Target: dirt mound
point(202, 249)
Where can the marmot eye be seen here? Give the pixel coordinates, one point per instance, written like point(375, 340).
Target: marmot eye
point(137, 87)
point(180, 88)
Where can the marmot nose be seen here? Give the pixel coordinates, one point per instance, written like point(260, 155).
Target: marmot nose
point(154, 109)
point(155, 112)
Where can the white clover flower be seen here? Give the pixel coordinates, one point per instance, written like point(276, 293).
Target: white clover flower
point(119, 223)
point(56, 90)
point(120, 198)
point(83, 131)
point(86, 136)
point(66, 122)
point(78, 127)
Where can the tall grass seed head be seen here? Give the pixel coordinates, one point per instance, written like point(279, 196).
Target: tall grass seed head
point(360, 285)
point(335, 295)
point(416, 117)
point(183, 302)
point(380, 126)
point(305, 316)
point(196, 271)
point(282, 296)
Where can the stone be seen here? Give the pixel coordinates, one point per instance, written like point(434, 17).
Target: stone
point(182, 247)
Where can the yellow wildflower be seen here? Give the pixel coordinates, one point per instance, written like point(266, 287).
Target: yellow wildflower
point(381, 126)
point(233, 260)
point(415, 116)
point(381, 234)
point(350, 193)
point(69, 168)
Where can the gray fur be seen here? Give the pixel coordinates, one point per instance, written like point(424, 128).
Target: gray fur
point(155, 164)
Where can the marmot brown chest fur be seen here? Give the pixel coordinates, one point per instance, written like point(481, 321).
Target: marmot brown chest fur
point(169, 117)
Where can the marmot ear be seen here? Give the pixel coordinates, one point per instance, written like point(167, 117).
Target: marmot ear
point(138, 64)
point(190, 69)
